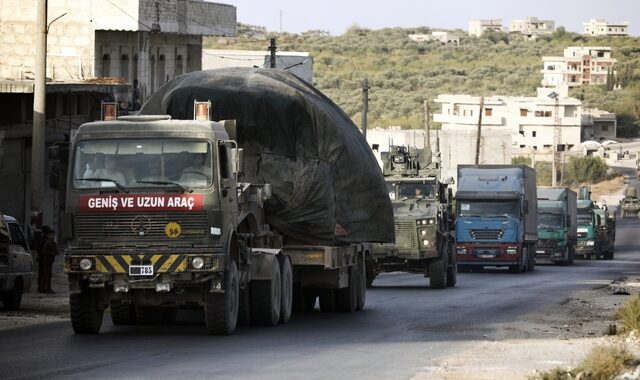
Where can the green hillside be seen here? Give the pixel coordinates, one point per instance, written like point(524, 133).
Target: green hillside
point(402, 73)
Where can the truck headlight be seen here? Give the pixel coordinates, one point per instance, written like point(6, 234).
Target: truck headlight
point(86, 264)
point(422, 222)
point(197, 263)
point(512, 251)
point(461, 251)
point(423, 232)
point(590, 242)
point(425, 242)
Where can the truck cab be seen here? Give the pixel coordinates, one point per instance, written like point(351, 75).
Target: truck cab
point(16, 262)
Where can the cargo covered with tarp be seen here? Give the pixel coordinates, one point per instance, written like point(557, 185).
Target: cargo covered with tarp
point(327, 186)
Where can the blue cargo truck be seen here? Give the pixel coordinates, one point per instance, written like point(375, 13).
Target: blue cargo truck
point(496, 217)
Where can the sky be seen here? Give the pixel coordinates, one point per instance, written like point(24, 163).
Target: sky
point(337, 16)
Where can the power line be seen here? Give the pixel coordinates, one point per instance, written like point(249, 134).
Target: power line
point(133, 18)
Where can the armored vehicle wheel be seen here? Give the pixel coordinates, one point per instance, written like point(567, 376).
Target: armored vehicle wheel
point(347, 298)
point(86, 318)
point(122, 313)
point(452, 269)
point(286, 275)
point(221, 309)
point(266, 298)
point(438, 271)
point(327, 301)
point(362, 283)
point(12, 298)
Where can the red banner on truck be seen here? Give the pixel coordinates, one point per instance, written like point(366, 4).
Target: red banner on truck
point(141, 202)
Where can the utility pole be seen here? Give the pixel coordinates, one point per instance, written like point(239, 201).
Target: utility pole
point(272, 51)
point(479, 131)
point(427, 137)
point(557, 137)
point(365, 106)
point(39, 114)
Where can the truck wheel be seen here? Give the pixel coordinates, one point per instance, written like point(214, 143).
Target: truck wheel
point(86, 318)
point(347, 298)
point(531, 259)
point(122, 313)
point(11, 299)
point(452, 269)
point(286, 292)
point(244, 308)
point(438, 271)
point(370, 270)
point(266, 298)
point(572, 255)
point(362, 283)
point(221, 309)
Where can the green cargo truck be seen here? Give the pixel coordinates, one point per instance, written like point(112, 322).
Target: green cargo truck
point(557, 225)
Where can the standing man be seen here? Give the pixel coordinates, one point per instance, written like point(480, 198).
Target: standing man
point(47, 256)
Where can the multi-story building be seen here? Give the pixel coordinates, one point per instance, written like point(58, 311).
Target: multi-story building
point(603, 28)
point(531, 27)
point(530, 121)
point(598, 125)
point(579, 65)
point(298, 63)
point(477, 27)
point(96, 50)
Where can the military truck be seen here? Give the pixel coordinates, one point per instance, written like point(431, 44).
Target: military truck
point(496, 217)
point(630, 204)
point(16, 263)
point(423, 218)
point(596, 229)
point(161, 213)
point(557, 225)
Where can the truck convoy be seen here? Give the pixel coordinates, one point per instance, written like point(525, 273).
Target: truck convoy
point(423, 217)
point(596, 229)
point(246, 220)
point(496, 217)
point(557, 225)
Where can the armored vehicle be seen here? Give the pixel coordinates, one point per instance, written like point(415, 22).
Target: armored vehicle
point(423, 217)
point(630, 204)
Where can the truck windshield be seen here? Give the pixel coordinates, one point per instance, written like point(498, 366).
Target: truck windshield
point(488, 209)
point(585, 219)
point(181, 163)
point(416, 190)
point(549, 220)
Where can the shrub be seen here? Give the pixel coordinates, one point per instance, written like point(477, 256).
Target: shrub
point(602, 363)
point(521, 160)
point(629, 315)
point(585, 169)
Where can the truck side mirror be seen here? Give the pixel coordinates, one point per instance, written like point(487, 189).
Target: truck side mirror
point(237, 159)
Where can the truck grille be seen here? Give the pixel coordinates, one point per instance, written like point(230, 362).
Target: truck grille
point(487, 234)
point(100, 226)
point(582, 235)
point(547, 243)
point(406, 234)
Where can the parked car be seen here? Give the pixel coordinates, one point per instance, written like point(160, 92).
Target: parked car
point(16, 263)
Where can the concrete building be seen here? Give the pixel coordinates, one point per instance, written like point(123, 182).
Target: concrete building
point(444, 37)
point(579, 65)
point(595, 27)
point(298, 63)
point(531, 27)
point(529, 121)
point(95, 50)
point(598, 125)
point(477, 27)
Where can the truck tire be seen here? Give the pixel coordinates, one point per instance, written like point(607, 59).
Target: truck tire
point(452, 269)
point(362, 283)
point(244, 308)
point(266, 298)
point(438, 270)
point(286, 275)
point(11, 299)
point(347, 298)
point(572, 255)
point(221, 309)
point(86, 318)
point(370, 271)
point(531, 259)
point(122, 313)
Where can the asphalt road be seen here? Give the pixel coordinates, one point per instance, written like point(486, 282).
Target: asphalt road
point(405, 326)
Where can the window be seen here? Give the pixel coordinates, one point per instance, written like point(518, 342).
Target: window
point(533, 133)
point(488, 111)
point(547, 113)
point(524, 112)
point(539, 114)
point(178, 69)
point(106, 65)
point(124, 66)
point(161, 79)
point(604, 128)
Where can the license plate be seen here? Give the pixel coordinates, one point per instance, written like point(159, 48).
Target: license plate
point(141, 270)
point(540, 252)
point(486, 256)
